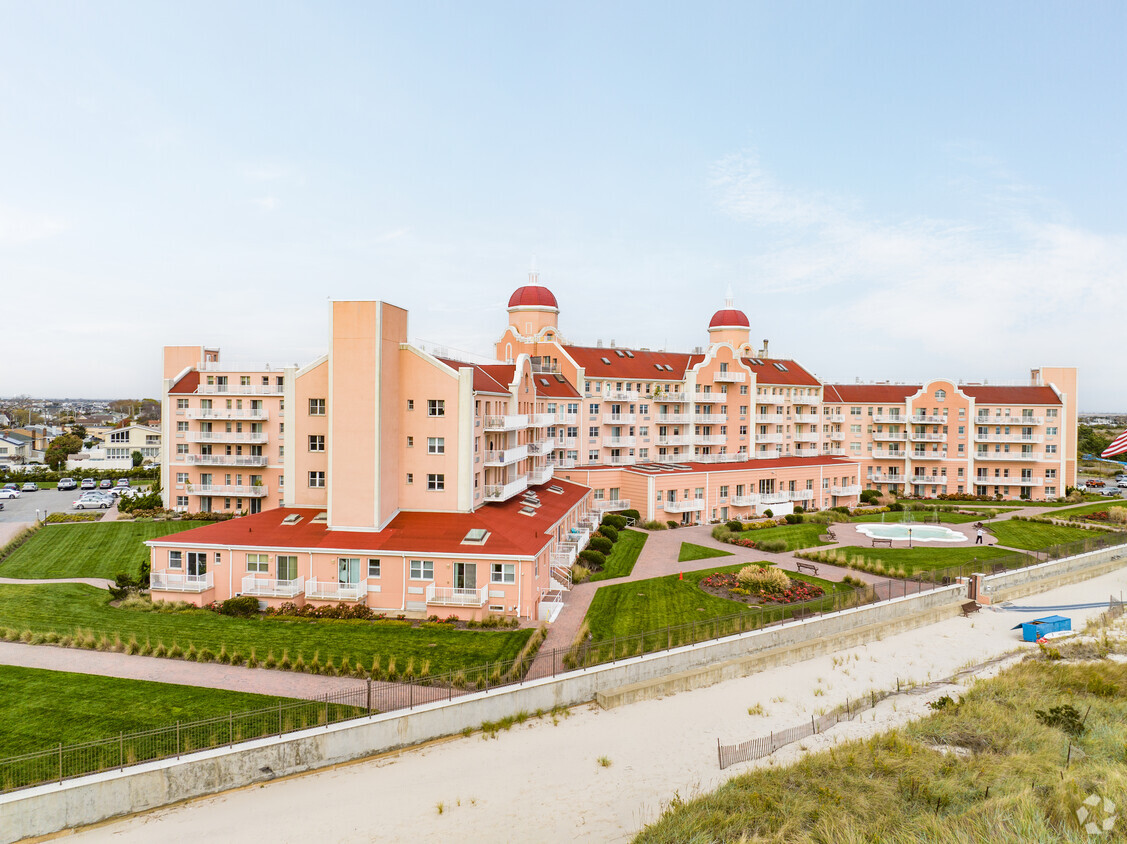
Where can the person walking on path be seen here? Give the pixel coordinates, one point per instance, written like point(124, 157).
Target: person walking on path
point(978, 540)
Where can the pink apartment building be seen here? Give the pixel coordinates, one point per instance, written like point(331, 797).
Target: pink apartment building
point(383, 474)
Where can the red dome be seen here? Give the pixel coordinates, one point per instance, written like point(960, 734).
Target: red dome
point(729, 317)
point(532, 296)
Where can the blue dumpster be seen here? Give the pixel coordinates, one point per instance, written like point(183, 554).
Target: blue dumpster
point(1031, 631)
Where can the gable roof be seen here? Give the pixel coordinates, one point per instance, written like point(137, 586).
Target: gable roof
point(1011, 395)
point(871, 393)
point(187, 384)
point(493, 378)
point(633, 364)
point(792, 373)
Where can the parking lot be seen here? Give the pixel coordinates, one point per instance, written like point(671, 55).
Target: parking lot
point(23, 509)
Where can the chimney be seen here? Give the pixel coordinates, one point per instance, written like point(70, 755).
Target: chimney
point(612, 344)
point(1035, 377)
point(599, 343)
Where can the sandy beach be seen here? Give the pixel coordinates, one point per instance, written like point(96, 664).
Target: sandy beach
point(543, 782)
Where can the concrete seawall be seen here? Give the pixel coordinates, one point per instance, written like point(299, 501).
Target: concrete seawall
point(50, 808)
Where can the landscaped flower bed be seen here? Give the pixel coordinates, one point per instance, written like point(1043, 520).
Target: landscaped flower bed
point(730, 586)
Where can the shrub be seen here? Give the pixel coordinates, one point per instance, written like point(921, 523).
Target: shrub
point(793, 518)
point(654, 525)
point(609, 532)
point(798, 508)
point(869, 496)
point(672, 525)
point(615, 521)
point(580, 573)
point(771, 546)
point(770, 514)
point(243, 606)
point(895, 506)
point(767, 578)
point(631, 514)
point(593, 560)
point(734, 525)
point(1063, 717)
point(601, 544)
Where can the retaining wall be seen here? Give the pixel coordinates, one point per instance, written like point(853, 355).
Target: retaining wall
point(1011, 585)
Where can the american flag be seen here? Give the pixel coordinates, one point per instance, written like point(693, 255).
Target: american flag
point(1118, 446)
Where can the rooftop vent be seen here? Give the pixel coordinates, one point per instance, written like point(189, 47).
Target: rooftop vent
point(558, 490)
point(321, 518)
point(291, 519)
point(527, 511)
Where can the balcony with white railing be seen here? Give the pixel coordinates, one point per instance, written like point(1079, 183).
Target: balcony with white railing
point(241, 389)
point(541, 474)
point(806, 436)
point(503, 492)
point(456, 596)
point(836, 436)
point(567, 418)
point(889, 436)
point(805, 400)
point(220, 460)
point(268, 587)
point(333, 590)
point(1027, 456)
point(669, 458)
point(768, 498)
point(888, 419)
point(619, 442)
point(1008, 438)
point(506, 457)
point(567, 442)
point(234, 490)
point(709, 398)
point(222, 437)
point(734, 457)
point(929, 455)
point(926, 437)
point(927, 419)
point(565, 554)
point(744, 500)
point(619, 418)
point(506, 423)
point(768, 454)
point(1010, 481)
point(730, 377)
point(691, 505)
point(885, 478)
point(768, 438)
point(673, 418)
point(807, 452)
point(834, 452)
point(621, 395)
point(709, 439)
point(603, 504)
point(620, 460)
point(929, 480)
point(769, 419)
point(1012, 421)
point(800, 494)
point(677, 440)
point(164, 581)
point(852, 489)
point(542, 447)
point(711, 418)
point(833, 417)
point(542, 420)
point(566, 463)
point(884, 454)
point(672, 398)
point(225, 413)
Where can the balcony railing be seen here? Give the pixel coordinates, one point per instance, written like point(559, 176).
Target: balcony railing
point(734, 457)
point(621, 395)
point(241, 389)
point(884, 478)
point(567, 442)
point(711, 418)
point(769, 419)
point(505, 457)
point(457, 596)
point(888, 436)
point(805, 400)
point(889, 455)
point(806, 436)
point(267, 587)
point(619, 418)
point(768, 454)
point(673, 418)
point(567, 418)
point(833, 417)
point(768, 438)
point(163, 581)
point(980, 481)
point(889, 418)
point(692, 505)
point(236, 490)
point(929, 480)
point(621, 460)
point(744, 500)
point(223, 437)
point(672, 398)
point(836, 436)
point(708, 398)
point(541, 474)
point(709, 439)
point(834, 452)
point(334, 590)
point(736, 377)
point(602, 504)
point(566, 463)
point(542, 420)
point(774, 498)
point(220, 460)
point(800, 494)
point(1008, 438)
point(806, 452)
point(503, 492)
point(1009, 455)
point(619, 442)
point(1017, 421)
point(927, 419)
point(677, 440)
point(853, 489)
point(542, 447)
point(926, 437)
point(233, 413)
point(506, 423)
point(929, 455)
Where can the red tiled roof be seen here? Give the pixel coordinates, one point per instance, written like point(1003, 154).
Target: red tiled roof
point(548, 386)
point(767, 373)
point(1011, 395)
point(187, 384)
point(532, 296)
point(510, 532)
point(643, 365)
point(729, 316)
point(873, 393)
point(494, 378)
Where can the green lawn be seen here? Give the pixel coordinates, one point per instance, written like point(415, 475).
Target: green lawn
point(1033, 536)
point(796, 536)
point(622, 557)
point(921, 516)
point(919, 558)
point(689, 551)
point(87, 550)
point(644, 605)
point(1099, 506)
point(63, 608)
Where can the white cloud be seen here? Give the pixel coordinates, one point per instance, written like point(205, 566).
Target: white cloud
point(267, 203)
point(20, 226)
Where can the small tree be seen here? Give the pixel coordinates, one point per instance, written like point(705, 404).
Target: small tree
point(138, 459)
point(59, 448)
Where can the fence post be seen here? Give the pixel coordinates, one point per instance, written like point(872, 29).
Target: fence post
point(230, 728)
point(613, 647)
point(121, 750)
point(279, 719)
point(813, 726)
point(719, 755)
point(411, 694)
point(60, 762)
point(326, 712)
point(177, 739)
point(369, 697)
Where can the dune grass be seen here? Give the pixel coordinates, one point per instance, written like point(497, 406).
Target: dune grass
point(1011, 781)
point(102, 549)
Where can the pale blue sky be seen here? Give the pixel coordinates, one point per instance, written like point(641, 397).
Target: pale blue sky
point(892, 190)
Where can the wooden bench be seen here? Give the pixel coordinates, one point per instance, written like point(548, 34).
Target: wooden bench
point(887, 542)
point(813, 569)
point(830, 533)
point(970, 607)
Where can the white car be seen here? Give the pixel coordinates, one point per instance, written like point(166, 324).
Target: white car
point(94, 502)
point(9, 493)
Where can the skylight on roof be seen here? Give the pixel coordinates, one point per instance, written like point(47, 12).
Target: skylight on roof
point(477, 536)
point(780, 367)
point(527, 511)
point(560, 378)
point(558, 490)
point(544, 381)
point(657, 366)
point(291, 519)
point(321, 518)
point(629, 353)
point(668, 368)
point(620, 353)
point(605, 360)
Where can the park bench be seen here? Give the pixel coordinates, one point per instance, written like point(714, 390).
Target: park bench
point(970, 607)
point(813, 569)
point(830, 533)
point(887, 542)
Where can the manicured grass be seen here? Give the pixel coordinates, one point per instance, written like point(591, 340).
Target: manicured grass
point(923, 516)
point(1033, 536)
point(622, 557)
point(43, 708)
point(1098, 507)
point(87, 550)
point(63, 608)
point(644, 605)
point(689, 551)
point(804, 535)
point(919, 558)
point(1012, 784)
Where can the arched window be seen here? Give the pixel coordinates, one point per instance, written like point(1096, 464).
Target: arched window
point(940, 395)
point(508, 351)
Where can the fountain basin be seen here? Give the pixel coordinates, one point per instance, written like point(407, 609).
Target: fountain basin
point(919, 533)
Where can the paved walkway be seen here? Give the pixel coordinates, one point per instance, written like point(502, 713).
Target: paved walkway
point(100, 582)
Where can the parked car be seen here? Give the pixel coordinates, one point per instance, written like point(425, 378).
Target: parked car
point(1122, 484)
point(93, 502)
point(9, 491)
point(123, 481)
point(1108, 491)
point(68, 483)
point(30, 486)
point(16, 487)
point(105, 484)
